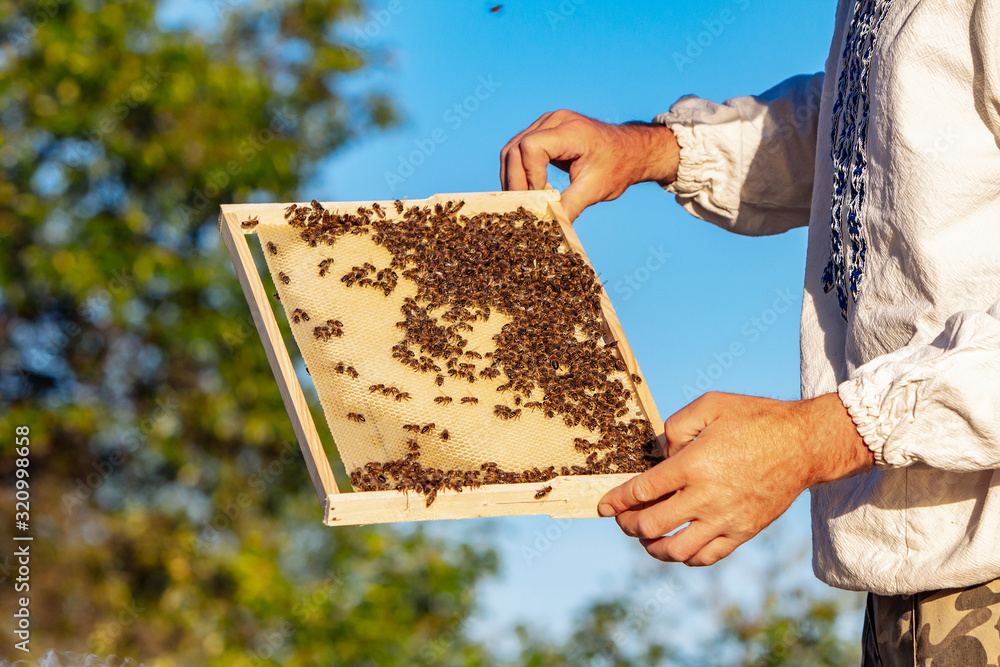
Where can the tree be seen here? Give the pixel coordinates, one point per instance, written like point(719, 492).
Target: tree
point(172, 517)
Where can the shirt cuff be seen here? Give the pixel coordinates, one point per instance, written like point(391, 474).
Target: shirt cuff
point(864, 406)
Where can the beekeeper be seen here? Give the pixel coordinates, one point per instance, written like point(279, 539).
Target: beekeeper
point(892, 158)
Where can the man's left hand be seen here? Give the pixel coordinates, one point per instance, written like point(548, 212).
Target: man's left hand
point(735, 464)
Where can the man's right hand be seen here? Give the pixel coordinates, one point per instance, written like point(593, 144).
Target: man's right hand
point(602, 160)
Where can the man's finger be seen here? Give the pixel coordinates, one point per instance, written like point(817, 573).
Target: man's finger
point(579, 195)
point(542, 147)
point(511, 145)
point(686, 424)
point(713, 552)
point(516, 178)
point(656, 519)
point(663, 478)
point(683, 545)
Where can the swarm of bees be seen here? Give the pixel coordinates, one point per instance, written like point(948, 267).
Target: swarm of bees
point(551, 354)
point(332, 329)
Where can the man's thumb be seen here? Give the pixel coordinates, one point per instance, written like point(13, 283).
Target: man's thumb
point(577, 197)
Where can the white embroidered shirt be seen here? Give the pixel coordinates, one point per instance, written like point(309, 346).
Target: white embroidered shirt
point(892, 157)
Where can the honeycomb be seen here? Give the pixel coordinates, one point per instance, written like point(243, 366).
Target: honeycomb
point(453, 347)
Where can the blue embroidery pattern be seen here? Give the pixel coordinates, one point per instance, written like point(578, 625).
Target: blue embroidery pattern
point(848, 150)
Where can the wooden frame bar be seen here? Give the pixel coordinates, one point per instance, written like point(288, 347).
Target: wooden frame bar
point(570, 496)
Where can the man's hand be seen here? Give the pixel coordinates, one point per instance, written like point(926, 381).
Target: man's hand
point(735, 464)
point(602, 160)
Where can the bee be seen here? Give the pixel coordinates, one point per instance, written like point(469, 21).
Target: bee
point(636, 379)
point(413, 428)
point(276, 297)
point(355, 417)
point(290, 211)
point(378, 210)
point(430, 497)
point(413, 445)
point(271, 248)
point(612, 344)
point(399, 206)
point(250, 223)
point(443, 400)
point(445, 435)
point(543, 492)
point(403, 396)
point(324, 267)
point(533, 405)
point(472, 400)
point(376, 387)
point(299, 315)
point(439, 380)
point(428, 428)
point(284, 277)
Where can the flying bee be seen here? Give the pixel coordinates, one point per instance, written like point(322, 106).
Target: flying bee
point(443, 400)
point(324, 267)
point(428, 428)
point(543, 492)
point(472, 400)
point(284, 277)
point(355, 417)
point(445, 435)
point(250, 223)
point(271, 248)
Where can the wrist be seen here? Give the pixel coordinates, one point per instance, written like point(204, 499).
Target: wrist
point(837, 449)
point(657, 151)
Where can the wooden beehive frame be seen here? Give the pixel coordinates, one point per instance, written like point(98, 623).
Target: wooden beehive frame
point(571, 497)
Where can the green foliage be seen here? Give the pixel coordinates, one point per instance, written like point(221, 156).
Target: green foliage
point(174, 519)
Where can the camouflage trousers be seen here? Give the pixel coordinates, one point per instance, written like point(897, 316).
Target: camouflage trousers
point(951, 628)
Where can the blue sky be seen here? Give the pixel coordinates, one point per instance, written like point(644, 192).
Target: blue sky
point(466, 80)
